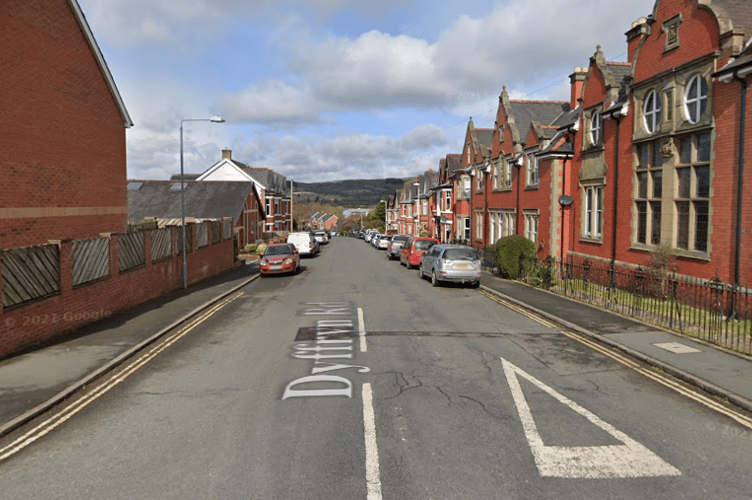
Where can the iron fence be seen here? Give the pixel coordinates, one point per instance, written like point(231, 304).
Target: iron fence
point(710, 310)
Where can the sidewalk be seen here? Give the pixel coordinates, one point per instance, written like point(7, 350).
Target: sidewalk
point(713, 370)
point(32, 382)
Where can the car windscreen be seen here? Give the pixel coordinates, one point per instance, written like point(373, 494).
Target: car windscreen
point(424, 244)
point(460, 254)
point(280, 250)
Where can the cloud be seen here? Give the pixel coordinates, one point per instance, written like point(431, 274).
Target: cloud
point(271, 102)
point(347, 156)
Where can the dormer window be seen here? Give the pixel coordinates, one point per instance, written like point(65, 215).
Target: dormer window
point(652, 112)
point(696, 99)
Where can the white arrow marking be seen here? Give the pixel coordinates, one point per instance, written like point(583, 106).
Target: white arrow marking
point(630, 459)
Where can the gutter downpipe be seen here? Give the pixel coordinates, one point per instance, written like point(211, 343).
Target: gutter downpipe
point(739, 189)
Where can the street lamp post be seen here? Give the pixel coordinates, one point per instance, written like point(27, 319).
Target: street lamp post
point(215, 119)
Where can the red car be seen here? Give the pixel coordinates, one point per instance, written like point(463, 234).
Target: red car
point(280, 258)
point(413, 250)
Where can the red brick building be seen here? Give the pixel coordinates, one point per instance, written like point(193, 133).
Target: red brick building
point(63, 152)
point(666, 174)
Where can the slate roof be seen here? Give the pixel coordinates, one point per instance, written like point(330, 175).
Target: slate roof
point(453, 163)
point(543, 112)
point(274, 182)
point(203, 200)
point(739, 13)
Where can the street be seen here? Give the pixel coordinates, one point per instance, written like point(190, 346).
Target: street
point(356, 379)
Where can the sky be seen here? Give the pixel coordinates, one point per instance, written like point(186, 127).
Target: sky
point(323, 90)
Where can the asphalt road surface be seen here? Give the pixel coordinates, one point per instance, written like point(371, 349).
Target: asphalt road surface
point(357, 380)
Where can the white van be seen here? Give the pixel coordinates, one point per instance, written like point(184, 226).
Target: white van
point(305, 243)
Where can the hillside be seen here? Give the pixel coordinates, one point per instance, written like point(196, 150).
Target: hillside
point(350, 193)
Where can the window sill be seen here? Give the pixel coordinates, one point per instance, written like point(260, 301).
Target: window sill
point(593, 241)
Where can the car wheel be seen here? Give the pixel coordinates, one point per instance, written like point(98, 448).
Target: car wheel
point(434, 279)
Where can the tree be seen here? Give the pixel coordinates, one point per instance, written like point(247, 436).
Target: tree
point(377, 219)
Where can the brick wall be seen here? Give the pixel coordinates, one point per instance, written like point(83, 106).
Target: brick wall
point(45, 319)
point(63, 152)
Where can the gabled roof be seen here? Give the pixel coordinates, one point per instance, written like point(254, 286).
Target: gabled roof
point(543, 112)
point(203, 200)
point(274, 182)
point(228, 170)
point(127, 122)
point(453, 163)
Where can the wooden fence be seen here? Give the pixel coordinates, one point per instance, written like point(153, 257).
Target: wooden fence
point(91, 260)
point(30, 273)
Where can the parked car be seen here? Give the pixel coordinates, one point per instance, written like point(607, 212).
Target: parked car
point(305, 243)
point(368, 235)
point(414, 249)
point(321, 237)
point(374, 239)
point(398, 240)
point(383, 242)
point(453, 263)
point(280, 258)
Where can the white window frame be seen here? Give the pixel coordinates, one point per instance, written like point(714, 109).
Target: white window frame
point(532, 170)
point(696, 99)
point(596, 128)
point(652, 112)
point(531, 226)
point(592, 219)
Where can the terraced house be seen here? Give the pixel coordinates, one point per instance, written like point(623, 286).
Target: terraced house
point(646, 158)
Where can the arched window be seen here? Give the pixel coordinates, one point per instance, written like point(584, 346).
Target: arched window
point(596, 128)
point(696, 98)
point(652, 112)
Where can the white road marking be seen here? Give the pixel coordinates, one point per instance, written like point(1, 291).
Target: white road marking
point(362, 331)
point(592, 462)
point(373, 476)
point(677, 347)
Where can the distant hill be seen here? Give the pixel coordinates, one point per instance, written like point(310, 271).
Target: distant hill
point(352, 193)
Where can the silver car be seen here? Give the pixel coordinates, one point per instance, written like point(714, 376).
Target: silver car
point(393, 252)
point(454, 263)
point(383, 242)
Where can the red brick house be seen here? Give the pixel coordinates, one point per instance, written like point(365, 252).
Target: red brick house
point(674, 143)
point(271, 186)
point(446, 198)
point(510, 193)
point(63, 153)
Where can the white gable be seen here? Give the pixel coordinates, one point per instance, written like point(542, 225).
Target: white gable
point(226, 170)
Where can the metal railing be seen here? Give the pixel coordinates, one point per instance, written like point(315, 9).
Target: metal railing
point(710, 310)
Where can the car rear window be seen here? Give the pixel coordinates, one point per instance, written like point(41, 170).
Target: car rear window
point(460, 254)
point(424, 244)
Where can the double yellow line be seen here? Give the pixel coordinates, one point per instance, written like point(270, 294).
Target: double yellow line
point(70, 410)
point(662, 379)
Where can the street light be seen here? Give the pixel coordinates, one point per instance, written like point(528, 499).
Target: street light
point(215, 119)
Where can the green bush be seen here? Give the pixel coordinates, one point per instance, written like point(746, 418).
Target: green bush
point(510, 251)
point(250, 248)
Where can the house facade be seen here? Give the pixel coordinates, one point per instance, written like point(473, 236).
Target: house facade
point(271, 187)
point(647, 158)
point(63, 153)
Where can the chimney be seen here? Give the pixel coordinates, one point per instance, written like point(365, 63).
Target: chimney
point(227, 154)
point(577, 79)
